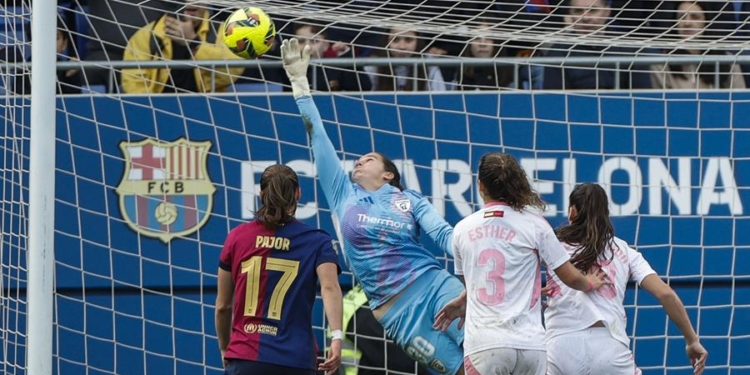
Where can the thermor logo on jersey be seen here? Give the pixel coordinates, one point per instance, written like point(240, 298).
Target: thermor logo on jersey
point(165, 191)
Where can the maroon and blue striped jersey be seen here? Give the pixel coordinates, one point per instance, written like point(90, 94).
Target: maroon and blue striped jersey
point(275, 283)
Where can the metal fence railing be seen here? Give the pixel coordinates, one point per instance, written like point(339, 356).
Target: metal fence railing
point(615, 63)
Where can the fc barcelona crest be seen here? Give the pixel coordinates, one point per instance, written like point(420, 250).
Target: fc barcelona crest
point(165, 191)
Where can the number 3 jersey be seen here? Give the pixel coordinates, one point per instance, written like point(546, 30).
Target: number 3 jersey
point(379, 229)
point(275, 282)
point(498, 250)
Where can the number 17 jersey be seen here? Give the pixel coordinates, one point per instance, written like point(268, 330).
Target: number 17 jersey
point(498, 250)
point(275, 282)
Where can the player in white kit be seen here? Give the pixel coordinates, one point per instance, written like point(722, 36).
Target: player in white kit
point(586, 331)
point(498, 254)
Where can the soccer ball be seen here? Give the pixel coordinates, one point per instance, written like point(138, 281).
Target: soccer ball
point(249, 32)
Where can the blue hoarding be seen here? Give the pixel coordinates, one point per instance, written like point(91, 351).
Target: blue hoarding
point(677, 169)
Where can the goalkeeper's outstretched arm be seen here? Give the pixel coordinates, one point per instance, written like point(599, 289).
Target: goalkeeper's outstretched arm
point(333, 179)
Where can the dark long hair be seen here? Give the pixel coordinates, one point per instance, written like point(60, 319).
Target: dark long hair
point(278, 194)
point(505, 180)
point(389, 166)
point(591, 230)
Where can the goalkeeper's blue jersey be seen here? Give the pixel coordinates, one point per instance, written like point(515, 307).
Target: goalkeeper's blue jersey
point(379, 229)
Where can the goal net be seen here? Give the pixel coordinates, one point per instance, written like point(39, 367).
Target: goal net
point(158, 160)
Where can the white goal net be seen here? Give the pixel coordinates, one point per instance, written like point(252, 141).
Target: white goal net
point(160, 145)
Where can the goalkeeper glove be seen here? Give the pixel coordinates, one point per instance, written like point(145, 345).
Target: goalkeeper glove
point(296, 60)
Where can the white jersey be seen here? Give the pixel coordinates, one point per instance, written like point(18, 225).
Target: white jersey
point(497, 250)
point(570, 310)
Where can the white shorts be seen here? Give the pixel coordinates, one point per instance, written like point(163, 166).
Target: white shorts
point(592, 351)
point(506, 361)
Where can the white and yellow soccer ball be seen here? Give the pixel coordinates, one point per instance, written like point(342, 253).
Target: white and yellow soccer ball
point(249, 32)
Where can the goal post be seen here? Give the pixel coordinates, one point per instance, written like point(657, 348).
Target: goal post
point(42, 156)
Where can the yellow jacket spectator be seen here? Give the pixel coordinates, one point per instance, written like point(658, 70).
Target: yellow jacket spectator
point(183, 36)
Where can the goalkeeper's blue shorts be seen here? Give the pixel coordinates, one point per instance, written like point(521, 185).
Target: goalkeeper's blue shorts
point(409, 322)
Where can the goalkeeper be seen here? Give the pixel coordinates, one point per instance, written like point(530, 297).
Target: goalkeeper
point(379, 224)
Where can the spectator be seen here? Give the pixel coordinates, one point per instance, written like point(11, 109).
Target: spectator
point(737, 13)
point(740, 13)
point(720, 14)
point(446, 45)
point(534, 15)
point(591, 18)
point(541, 15)
point(635, 17)
point(491, 77)
point(349, 78)
point(692, 20)
point(68, 81)
point(182, 36)
point(111, 23)
point(403, 43)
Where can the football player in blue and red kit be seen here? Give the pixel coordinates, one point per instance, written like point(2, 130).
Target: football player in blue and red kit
point(268, 274)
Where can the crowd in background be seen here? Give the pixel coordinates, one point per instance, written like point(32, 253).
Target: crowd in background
point(130, 30)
